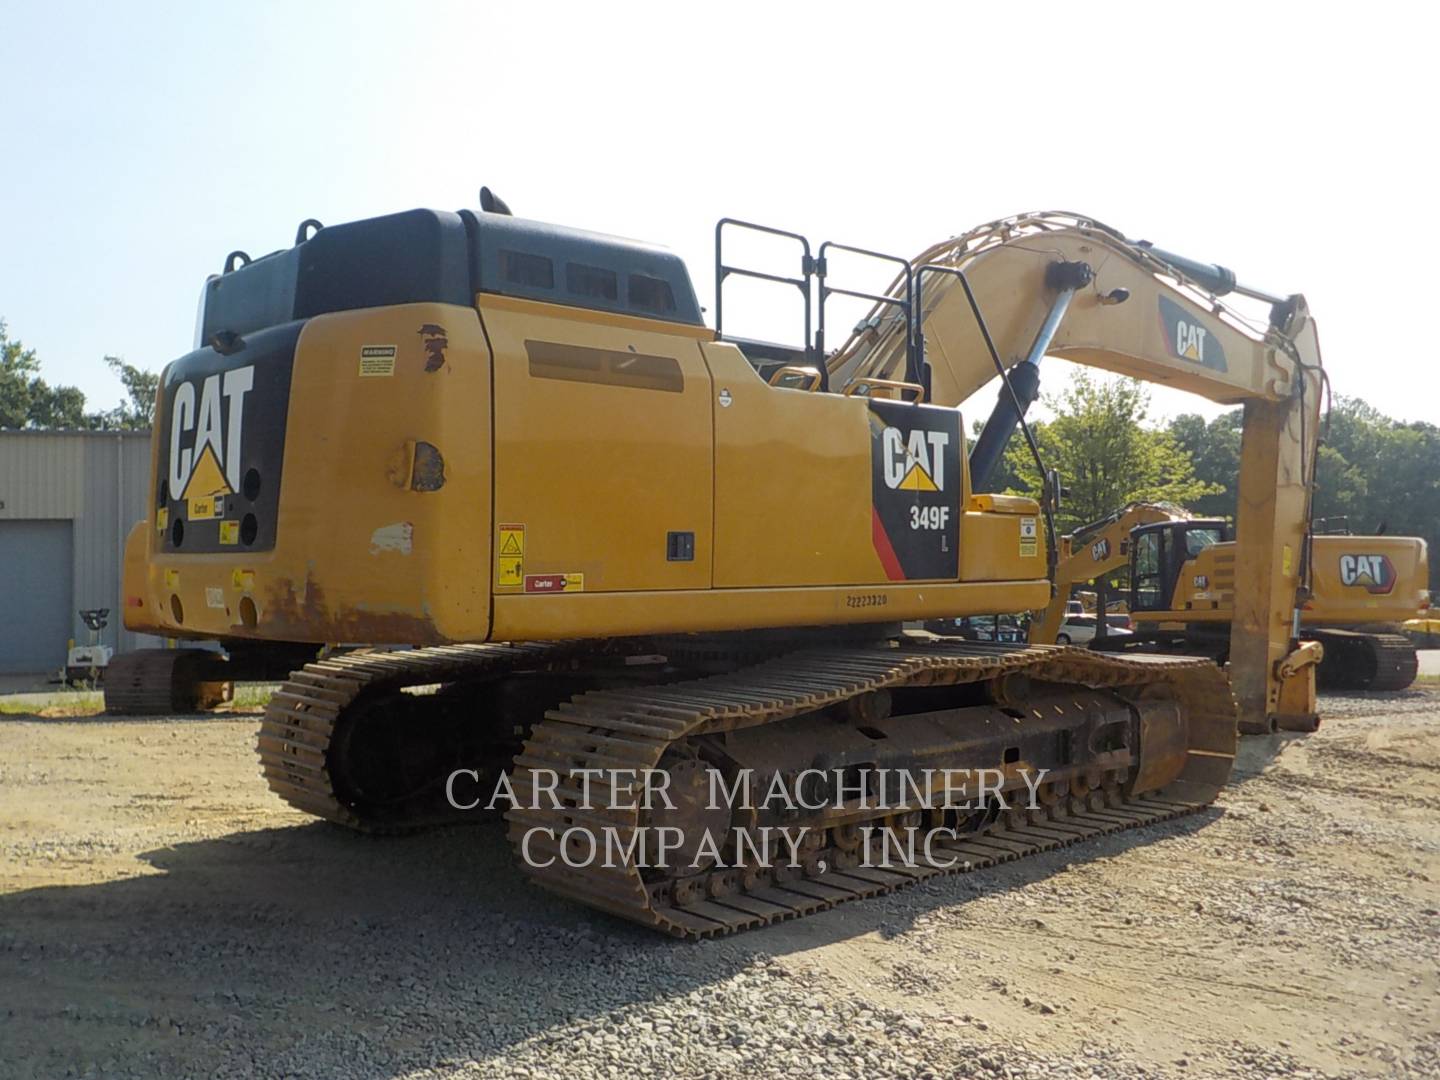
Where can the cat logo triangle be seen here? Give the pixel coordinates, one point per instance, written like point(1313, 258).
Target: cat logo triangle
point(206, 478)
point(917, 479)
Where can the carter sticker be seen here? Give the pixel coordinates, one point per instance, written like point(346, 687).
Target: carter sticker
point(554, 583)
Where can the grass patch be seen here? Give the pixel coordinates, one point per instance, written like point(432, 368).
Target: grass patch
point(253, 695)
point(61, 703)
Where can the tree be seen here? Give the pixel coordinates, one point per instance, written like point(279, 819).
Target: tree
point(1371, 471)
point(140, 388)
point(28, 401)
point(1214, 448)
point(1105, 454)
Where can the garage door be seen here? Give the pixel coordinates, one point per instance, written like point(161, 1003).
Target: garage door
point(35, 615)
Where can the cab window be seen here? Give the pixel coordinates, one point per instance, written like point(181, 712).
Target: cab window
point(1147, 572)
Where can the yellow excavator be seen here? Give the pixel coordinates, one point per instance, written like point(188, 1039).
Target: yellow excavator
point(1182, 590)
point(618, 540)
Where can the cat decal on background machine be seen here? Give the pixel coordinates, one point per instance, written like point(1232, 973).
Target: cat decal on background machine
point(612, 535)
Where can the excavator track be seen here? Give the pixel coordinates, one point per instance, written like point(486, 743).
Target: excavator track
point(298, 732)
point(641, 728)
point(654, 725)
point(1355, 660)
point(159, 682)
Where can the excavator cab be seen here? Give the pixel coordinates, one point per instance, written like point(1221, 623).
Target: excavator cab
point(1159, 551)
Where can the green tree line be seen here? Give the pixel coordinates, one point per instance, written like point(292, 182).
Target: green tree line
point(28, 401)
point(1374, 472)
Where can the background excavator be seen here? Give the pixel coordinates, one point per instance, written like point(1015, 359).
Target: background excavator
point(618, 539)
point(1181, 591)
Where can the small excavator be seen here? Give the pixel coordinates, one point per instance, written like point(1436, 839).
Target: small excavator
point(1182, 591)
point(615, 538)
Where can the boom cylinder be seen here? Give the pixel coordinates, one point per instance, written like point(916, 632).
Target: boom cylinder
point(1218, 279)
point(1024, 377)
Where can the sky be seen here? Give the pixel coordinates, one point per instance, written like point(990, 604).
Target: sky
point(1292, 143)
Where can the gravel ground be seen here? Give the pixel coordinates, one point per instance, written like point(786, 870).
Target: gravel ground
point(162, 914)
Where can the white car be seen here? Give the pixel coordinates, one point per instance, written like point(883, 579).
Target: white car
point(1080, 629)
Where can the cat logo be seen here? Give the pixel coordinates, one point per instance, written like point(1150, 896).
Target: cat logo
point(1188, 338)
point(1202, 581)
point(1100, 550)
point(1373, 573)
point(917, 464)
point(206, 467)
point(1190, 341)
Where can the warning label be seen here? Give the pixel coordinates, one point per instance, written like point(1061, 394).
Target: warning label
point(229, 532)
point(510, 556)
point(242, 579)
point(162, 518)
point(512, 540)
point(1029, 538)
point(215, 597)
point(553, 583)
point(377, 359)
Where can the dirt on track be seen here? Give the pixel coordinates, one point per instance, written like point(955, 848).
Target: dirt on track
point(161, 913)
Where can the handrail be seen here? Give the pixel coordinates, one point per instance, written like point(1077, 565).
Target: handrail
point(722, 271)
point(867, 384)
point(812, 375)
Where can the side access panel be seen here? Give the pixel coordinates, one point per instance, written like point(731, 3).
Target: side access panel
point(603, 453)
point(821, 489)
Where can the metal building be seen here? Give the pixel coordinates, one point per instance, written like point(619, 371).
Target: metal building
point(67, 501)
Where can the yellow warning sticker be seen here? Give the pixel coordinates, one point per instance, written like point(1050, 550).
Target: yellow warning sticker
point(242, 579)
point(510, 557)
point(1287, 560)
point(377, 360)
point(229, 532)
point(206, 506)
point(172, 579)
point(162, 518)
point(1029, 548)
point(512, 540)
